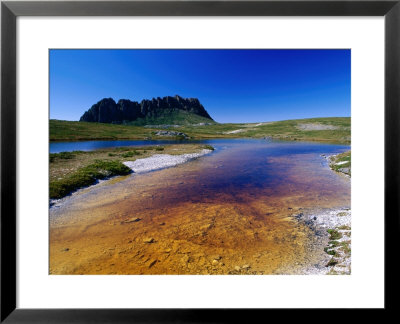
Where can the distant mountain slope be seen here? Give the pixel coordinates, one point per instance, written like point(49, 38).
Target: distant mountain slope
point(167, 110)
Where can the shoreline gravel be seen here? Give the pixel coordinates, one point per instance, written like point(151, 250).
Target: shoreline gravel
point(162, 161)
point(332, 228)
point(152, 163)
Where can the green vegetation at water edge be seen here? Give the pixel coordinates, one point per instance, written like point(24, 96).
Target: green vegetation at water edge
point(87, 176)
point(329, 251)
point(73, 170)
point(209, 147)
point(334, 234)
point(341, 163)
point(130, 154)
point(332, 130)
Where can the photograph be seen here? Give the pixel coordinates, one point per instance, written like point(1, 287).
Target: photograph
point(199, 161)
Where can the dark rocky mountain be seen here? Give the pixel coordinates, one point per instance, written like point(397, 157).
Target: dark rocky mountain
point(108, 111)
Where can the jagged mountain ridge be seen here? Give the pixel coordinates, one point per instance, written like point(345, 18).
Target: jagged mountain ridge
point(108, 111)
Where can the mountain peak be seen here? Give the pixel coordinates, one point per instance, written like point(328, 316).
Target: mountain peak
point(125, 110)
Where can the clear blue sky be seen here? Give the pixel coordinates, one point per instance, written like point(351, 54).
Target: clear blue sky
point(233, 85)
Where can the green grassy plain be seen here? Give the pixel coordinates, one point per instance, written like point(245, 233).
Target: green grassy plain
point(332, 130)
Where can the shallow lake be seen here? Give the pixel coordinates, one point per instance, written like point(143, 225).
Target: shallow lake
point(57, 147)
point(230, 202)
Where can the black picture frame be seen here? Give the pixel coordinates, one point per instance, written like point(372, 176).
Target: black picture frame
point(10, 10)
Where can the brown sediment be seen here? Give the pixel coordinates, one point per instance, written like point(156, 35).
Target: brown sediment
point(187, 220)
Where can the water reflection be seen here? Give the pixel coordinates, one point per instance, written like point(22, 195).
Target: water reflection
point(233, 203)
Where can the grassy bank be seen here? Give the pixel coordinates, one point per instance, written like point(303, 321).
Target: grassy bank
point(341, 163)
point(87, 176)
point(332, 130)
point(70, 171)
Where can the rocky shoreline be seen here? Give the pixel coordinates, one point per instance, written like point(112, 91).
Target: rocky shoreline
point(152, 163)
point(332, 229)
point(340, 163)
point(322, 248)
point(162, 161)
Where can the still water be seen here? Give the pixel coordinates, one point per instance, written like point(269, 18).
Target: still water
point(241, 168)
point(57, 147)
point(233, 203)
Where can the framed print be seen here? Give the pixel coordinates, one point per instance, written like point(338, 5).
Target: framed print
point(195, 151)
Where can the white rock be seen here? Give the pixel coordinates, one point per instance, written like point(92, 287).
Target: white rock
point(161, 161)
